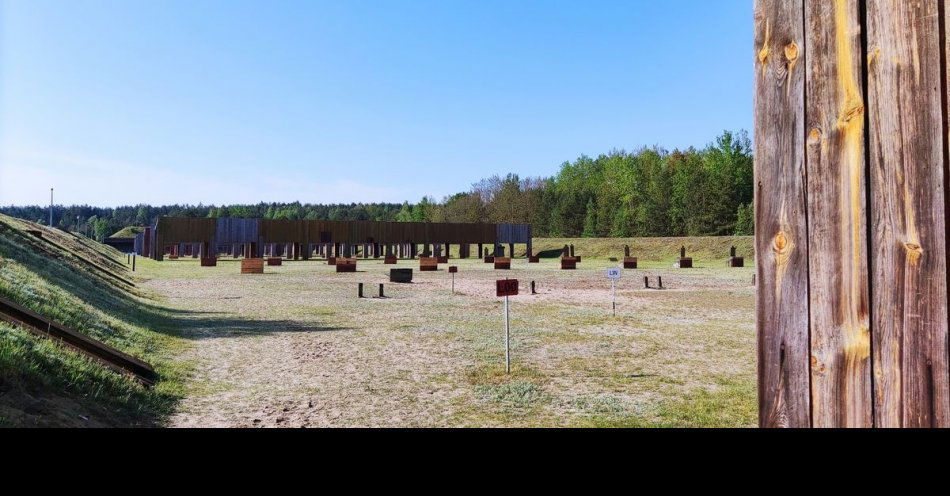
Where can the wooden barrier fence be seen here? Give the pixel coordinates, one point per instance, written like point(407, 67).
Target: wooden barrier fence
point(851, 170)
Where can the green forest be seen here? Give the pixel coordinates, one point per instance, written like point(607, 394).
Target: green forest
point(649, 192)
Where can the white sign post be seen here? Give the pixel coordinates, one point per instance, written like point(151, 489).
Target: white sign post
point(614, 275)
point(507, 287)
point(507, 339)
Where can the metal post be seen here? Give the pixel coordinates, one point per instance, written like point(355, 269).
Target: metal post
point(453, 283)
point(360, 290)
point(613, 290)
point(133, 262)
point(507, 339)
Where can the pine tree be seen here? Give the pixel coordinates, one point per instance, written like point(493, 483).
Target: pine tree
point(745, 220)
point(590, 221)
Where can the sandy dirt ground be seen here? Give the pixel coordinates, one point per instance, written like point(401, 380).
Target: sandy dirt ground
point(295, 347)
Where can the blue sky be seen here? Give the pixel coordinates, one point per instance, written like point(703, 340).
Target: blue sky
point(129, 101)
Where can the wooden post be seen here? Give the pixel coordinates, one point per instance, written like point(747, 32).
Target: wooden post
point(781, 233)
point(837, 243)
point(907, 96)
point(851, 178)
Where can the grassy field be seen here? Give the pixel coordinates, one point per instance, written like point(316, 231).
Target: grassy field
point(296, 347)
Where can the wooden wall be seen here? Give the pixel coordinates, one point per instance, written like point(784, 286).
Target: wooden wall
point(171, 230)
point(514, 233)
point(851, 168)
point(232, 230)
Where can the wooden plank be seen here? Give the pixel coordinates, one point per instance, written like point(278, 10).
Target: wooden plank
point(908, 244)
point(837, 227)
point(781, 223)
point(41, 326)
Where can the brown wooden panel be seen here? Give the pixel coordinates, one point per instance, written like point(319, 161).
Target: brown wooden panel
point(908, 244)
point(179, 229)
point(837, 228)
point(781, 223)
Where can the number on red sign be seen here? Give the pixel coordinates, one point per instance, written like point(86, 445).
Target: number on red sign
point(507, 287)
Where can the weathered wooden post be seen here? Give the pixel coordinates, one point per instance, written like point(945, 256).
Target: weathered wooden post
point(735, 261)
point(851, 168)
point(685, 262)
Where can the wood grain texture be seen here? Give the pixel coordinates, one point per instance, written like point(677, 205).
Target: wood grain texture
point(781, 222)
point(837, 228)
point(908, 245)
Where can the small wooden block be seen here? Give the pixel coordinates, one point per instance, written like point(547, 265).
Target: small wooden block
point(630, 262)
point(736, 262)
point(252, 266)
point(502, 263)
point(442, 260)
point(401, 276)
point(534, 260)
point(390, 260)
point(686, 263)
point(489, 259)
point(346, 265)
point(275, 261)
point(209, 262)
point(428, 264)
point(568, 263)
point(331, 260)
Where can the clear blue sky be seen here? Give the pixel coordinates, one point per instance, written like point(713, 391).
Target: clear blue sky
point(128, 101)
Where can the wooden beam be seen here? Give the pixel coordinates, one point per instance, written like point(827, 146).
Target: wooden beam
point(41, 326)
point(837, 228)
point(781, 222)
point(908, 244)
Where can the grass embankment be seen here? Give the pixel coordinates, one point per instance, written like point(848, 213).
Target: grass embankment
point(710, 250)
point(128, 232)
point(86, 286)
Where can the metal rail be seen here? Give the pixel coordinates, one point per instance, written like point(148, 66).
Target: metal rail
point(107, 355)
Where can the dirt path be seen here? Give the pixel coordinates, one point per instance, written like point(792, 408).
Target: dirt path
point(295, 347)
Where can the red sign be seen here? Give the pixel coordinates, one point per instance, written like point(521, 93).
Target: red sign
point(507, 287)
point(453, 269)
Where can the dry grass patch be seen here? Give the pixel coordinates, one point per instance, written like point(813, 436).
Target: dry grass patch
point(295, 347)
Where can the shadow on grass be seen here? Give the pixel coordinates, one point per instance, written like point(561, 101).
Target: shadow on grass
point(127, 307)
point(211, 327)
point(550, 253)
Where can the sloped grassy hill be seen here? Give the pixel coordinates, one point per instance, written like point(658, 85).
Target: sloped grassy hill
point(88, 287)
point(709, 250)
point(128, 232)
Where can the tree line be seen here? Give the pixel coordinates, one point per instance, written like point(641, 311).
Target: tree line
point(645, 193)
